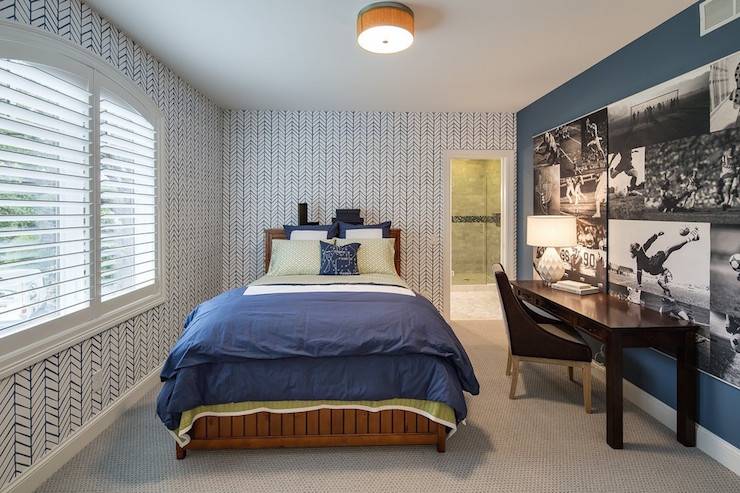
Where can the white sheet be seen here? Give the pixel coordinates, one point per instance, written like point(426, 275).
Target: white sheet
point(326, 288)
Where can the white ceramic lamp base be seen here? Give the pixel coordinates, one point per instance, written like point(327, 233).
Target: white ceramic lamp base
point(551, 266)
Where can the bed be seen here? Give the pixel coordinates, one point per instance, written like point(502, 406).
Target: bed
point(314, 361)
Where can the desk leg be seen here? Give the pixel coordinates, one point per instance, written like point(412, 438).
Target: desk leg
point(686, 376)
point(614, 410)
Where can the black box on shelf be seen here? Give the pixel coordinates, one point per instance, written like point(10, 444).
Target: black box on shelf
point(350, 216)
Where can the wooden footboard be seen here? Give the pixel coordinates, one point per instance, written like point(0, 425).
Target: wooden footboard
point(322, 428)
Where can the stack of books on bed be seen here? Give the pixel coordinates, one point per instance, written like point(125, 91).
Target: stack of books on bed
point(575, 287)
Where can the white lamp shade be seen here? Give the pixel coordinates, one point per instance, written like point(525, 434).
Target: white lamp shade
point(551, 231)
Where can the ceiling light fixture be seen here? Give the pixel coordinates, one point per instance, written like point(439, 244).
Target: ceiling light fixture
point(385, 27)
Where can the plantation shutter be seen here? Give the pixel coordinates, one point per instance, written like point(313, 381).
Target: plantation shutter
point(127, 197)
point(45, 193)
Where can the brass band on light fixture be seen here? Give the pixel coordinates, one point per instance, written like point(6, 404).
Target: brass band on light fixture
point(385, 27)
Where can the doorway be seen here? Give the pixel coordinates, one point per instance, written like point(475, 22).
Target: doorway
point(478, 232)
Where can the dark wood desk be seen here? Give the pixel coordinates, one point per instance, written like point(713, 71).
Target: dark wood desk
point(620, 324)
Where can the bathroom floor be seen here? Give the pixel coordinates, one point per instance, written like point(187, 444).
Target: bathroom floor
point(475, 302)
point(469, 278)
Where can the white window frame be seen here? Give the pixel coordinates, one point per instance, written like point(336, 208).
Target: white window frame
point(21, 347)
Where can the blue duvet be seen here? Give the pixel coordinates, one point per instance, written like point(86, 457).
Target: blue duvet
point(314, 346)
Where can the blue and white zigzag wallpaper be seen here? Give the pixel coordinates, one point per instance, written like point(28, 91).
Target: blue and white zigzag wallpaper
point(42, 405)
point(387, 164)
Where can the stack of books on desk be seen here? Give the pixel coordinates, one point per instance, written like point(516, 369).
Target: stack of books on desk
point(575, 287)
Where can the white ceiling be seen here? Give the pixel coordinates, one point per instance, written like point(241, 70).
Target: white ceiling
point(468, 55)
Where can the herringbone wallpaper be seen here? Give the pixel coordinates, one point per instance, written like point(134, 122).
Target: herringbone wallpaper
point(387, 164)
point(42, 405)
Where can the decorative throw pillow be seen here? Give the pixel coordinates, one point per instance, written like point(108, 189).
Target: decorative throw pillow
point(293, 258)
point(376, 256)
point(331, 229)
point(339, 260)
point(344, 227)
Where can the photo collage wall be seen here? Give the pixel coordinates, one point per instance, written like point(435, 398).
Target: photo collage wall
point(672, 175)
point(570, 165)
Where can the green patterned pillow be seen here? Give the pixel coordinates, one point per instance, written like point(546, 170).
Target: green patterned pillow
point(295, 257)
point(376, 256)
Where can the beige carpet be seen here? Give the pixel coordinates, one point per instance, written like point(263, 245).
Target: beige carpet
point(541, 442)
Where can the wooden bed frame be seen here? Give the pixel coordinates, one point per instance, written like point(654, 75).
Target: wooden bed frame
point(319, 428)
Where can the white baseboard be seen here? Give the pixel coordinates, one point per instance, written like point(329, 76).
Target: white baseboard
point(34, 476)
point(715, 447)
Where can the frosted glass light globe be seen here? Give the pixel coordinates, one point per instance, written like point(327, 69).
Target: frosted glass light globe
point(385, 39)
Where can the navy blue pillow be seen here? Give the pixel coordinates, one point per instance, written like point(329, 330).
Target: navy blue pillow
point(331, 229)
point(386, 227)
point(339, 260)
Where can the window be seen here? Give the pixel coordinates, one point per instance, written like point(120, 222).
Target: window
point(127, 199)
point(80, 237)
point(45, 196)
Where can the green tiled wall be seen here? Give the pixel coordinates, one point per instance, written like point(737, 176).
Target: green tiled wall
point(476, 191)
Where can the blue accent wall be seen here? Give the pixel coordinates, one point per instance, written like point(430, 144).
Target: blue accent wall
point(667, 51)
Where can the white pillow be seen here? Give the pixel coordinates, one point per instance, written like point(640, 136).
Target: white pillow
point(364, 234)
point(308, 235)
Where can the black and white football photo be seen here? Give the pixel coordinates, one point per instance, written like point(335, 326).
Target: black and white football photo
point(584, 194)
point(560, 146)
point(547, 190)
point(724, 87)
point(594, 140)
point(664, 258)
point(669, 111)
point(694, 179)
point(725, 303)
point(627, 183)
point(584, 191)
point(586, 262)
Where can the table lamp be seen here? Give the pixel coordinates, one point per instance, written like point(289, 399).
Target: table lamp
point(551, 232)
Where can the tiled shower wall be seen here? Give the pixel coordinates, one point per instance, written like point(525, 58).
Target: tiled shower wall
point(476, 219)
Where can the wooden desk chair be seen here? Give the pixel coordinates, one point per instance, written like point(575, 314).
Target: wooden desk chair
point(539, 339)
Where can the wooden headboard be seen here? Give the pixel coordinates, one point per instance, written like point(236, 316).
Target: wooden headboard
point(279, 234)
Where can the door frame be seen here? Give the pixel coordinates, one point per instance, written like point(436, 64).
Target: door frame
point(508, 213)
